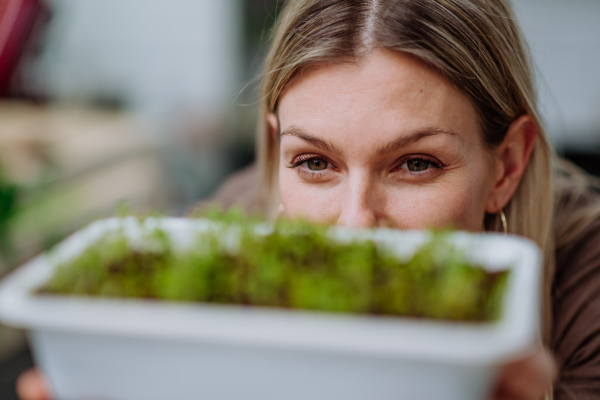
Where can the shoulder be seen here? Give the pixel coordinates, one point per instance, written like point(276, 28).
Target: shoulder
point(239, 189)
point(576, 294)
point(577, 257)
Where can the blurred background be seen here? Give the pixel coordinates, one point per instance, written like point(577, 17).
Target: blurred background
point(153, 103)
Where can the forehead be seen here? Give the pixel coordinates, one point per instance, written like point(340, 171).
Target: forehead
point(384, 95)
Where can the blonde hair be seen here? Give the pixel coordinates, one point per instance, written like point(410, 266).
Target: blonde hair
point(475, 44)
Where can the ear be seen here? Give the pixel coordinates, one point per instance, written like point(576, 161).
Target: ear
point(511, 159)
point(273, 125)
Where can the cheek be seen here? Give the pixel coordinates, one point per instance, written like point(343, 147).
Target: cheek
point(318, 203)
point(438, 206)
point(458, 200)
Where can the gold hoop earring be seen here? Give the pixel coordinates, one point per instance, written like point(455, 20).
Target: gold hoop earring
point(503, 219)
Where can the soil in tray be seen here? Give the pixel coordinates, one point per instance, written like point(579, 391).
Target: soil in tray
point(293, 265)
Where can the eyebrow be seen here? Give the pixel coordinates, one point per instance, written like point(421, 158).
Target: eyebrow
point(413, 137)
point(300, 133)
point(396, 144)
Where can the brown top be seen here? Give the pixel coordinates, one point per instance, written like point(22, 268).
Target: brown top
point(576, 307)
point(576, 292)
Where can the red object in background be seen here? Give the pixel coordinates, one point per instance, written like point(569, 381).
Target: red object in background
point(17, 18)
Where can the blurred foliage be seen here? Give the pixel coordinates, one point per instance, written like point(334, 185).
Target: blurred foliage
point(290, 265)
point(8, 205)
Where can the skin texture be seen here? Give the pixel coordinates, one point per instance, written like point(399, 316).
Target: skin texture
point(367, 123)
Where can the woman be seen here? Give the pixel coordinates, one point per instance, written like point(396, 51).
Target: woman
point(422, 113)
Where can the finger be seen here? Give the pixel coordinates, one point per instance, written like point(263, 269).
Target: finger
point(31, 386)
point(527, 379)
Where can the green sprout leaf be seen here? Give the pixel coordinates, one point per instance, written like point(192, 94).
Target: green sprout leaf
point(295, 264)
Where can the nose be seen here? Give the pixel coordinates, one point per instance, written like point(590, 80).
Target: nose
point(359, 204)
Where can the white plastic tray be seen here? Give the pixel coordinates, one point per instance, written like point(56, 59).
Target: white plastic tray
point(148, 350)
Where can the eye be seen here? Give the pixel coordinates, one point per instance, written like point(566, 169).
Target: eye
point(316, 164)
point(417, 164)
point(314, 167)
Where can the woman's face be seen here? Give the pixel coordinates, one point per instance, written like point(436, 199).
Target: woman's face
point(386, 142)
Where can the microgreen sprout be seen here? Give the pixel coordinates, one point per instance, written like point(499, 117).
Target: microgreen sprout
point(295, 265)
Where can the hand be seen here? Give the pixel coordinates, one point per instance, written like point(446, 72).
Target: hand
point(31, 386)
point(527, 379)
